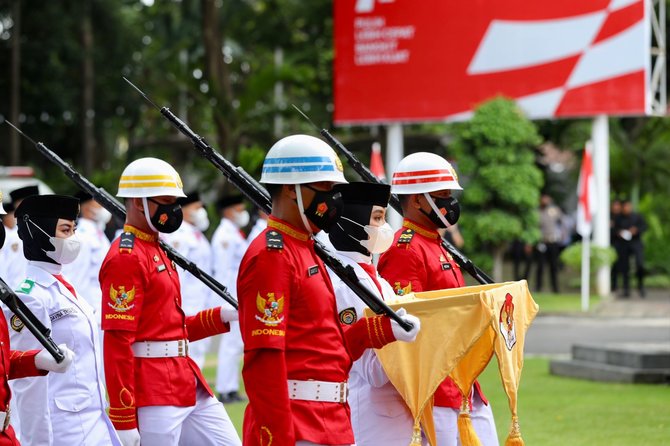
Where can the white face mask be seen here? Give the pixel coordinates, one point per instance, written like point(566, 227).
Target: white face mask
point(102, 217)
point(241, 219)
point(380, 238)
point(67, 249)
point(200, 219)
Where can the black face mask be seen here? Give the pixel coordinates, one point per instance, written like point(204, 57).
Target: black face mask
point(325, 209)
point(2, 234)
point(450, 206)
point(167, 218)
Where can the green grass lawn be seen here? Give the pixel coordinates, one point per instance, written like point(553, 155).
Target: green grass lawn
point(563, 303)
point(562, 411)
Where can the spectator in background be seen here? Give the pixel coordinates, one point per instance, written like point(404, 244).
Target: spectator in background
point(228, 247)
point(522, 257)
point(549, 247)
point(629, 230)
point(13, 264)
point(615, 221)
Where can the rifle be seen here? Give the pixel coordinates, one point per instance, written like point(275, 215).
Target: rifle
point(369, 177)
point(34, 325)
point(258, 195)
point(110, 203)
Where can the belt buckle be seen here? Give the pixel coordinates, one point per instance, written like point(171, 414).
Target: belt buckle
point(182, 348)
point(344, 392)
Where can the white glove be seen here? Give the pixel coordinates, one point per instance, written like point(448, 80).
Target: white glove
point(229, 315)
point(44, 360)
point(400, 333)
point(129, 437)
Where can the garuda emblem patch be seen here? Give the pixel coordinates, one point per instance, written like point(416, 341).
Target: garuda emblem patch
point(121, 299)
point(270, 309)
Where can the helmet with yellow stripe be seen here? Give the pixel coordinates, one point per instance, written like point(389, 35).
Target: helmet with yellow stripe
point(150, 177)
point(424, 172)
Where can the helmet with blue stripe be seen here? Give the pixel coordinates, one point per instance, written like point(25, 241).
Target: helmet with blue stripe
point(301, 159)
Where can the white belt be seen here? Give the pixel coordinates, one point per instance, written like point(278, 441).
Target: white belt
point(311, 390)
point(160, 349)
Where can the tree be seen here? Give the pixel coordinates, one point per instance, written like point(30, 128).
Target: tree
point(496, 159)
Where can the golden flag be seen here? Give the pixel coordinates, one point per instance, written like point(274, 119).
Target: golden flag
point(460, 331)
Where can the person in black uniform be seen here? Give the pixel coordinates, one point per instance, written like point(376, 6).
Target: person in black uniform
point(629, 231)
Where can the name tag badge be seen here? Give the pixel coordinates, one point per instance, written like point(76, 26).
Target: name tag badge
point(312, 270)
point(446, 266)
point(160, 267)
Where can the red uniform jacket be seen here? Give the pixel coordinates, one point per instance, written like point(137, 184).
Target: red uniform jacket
point(15, 364)
point(290, 328)
point(141, 301)
point(417, 262)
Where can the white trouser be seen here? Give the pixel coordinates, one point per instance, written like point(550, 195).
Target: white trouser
point(230, 353)
point(446, 427)
point(205, 424)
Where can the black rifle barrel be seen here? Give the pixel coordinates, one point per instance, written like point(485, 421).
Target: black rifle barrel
point(365, 173)
point(255, 192)
point(34, 325)
point(110, 203)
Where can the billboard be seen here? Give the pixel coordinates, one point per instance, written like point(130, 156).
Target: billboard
point(434, 60)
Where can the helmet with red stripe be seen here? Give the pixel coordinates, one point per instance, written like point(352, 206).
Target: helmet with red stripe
point(424, 172)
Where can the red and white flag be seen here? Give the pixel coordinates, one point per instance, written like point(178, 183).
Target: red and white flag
point(586, 194)
point(376, 162)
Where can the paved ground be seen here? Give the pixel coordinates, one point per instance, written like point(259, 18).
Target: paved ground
point(616, 320)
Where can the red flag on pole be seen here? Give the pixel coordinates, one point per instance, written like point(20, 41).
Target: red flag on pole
point(376, 162)
point(586, 194)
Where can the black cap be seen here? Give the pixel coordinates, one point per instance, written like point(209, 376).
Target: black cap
point(24, 192)
point(371, 194)
point(229, 200)
point(48, 206)
point(83, 196)
point(191, 197)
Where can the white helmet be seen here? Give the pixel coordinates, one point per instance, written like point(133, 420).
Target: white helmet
point(300, 159)
point(149, 177)
point(2, 210)
point(423, 172)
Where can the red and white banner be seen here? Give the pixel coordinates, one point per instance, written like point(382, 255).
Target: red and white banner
point(431, 60)
point(586, 193)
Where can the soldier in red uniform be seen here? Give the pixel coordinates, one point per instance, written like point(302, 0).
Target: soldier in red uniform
point(153, 384)
point(417, 262)
point(296, 354)
point(17, 364)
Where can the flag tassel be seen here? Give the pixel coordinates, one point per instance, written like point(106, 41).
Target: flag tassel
point(514, 437)
point(416, 434)
point(466, 430)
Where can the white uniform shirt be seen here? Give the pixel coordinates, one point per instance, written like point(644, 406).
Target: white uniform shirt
point(378, 413)
point(61, 408)
point(83, 272)
point(258, 227)
point(191, 243)
point(228, 248)
point(12, 262)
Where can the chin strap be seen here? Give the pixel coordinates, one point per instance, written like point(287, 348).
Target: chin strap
point(437, 211)
point(301, 208)
point(146, 214)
